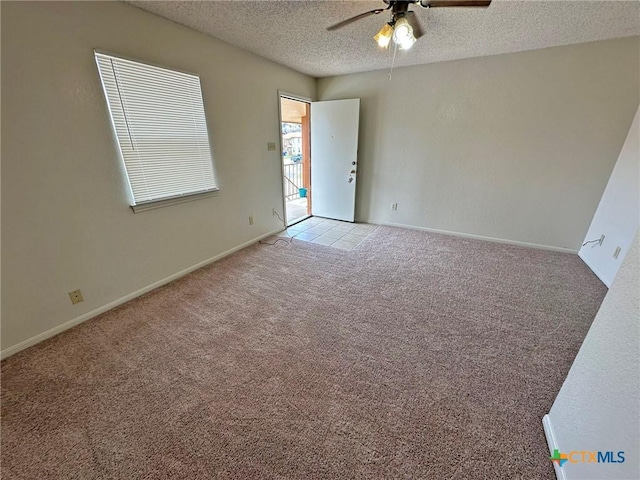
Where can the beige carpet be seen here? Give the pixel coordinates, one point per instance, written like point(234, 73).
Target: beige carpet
point(413, 356)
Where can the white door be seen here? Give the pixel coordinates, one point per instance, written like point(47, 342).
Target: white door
point(334, 158)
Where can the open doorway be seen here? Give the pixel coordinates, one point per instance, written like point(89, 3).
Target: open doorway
point(296, 158)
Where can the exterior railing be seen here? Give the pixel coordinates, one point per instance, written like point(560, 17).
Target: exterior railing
point(292, 180)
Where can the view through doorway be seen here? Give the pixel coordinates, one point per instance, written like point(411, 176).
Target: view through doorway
point(296, 158)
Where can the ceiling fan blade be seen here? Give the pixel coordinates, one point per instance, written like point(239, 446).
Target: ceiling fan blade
point(353, 19)
point(415, 24)
point(454, 3)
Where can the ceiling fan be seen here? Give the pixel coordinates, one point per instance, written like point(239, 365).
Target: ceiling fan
point(404, 28)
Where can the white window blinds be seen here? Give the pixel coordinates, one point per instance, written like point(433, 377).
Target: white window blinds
point(158, 117)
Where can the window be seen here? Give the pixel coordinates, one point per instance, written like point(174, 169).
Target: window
point(158, 118)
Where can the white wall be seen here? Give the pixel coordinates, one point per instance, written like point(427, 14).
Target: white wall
point(516, 147)
point(598, 407)
point(66, 223)
point(618, 214)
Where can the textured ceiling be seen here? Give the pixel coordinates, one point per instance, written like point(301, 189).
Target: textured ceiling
point(293, 33)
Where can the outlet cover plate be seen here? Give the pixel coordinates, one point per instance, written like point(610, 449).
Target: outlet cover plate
point(76, 297)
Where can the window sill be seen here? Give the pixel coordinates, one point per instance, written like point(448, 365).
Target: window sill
point(143, 207)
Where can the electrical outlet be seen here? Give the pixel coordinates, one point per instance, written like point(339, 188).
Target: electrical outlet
point(394, 206)
point(273, 212)
point(601, 240)
point(271, 147)
point(76, 296)
point(251, 220)
point(617, 252)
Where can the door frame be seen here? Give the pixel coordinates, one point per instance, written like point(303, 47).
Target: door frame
point(298, 98)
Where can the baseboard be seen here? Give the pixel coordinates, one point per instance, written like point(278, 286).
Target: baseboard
point(7, 352)
point(551, 441)
point(594, 270)
point(476, 237)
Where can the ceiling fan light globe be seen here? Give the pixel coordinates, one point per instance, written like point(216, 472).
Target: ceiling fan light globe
point(383, 37)
point(402, 31)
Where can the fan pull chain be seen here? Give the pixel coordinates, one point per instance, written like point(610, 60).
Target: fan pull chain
point(393, 59)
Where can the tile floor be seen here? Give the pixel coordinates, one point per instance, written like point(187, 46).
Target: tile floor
point(343, 235)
